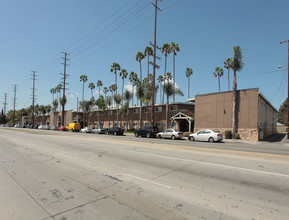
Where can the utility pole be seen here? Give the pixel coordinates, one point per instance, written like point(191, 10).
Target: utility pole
point(14, 103)
point(154, 64)
point(64, 84)
point(5, 103)
point(288, 90)
point(33, 94)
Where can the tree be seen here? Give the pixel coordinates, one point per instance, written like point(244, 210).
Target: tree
point(166, 49)
point(48, 109)
point(139, 57)
point(160, 80)
point(282, 113)
point(236, 66)
point(108, 102)
point(227, 65)
point(174, 49)
point(170, 90)
point(99, 84)
point(127, 98)
point(140, 96)
point(148, 52)
point(100, 103)
point(53, 91)
point(83, 79)
point(105, 91)
point(92, 87)
point(133, 79)
point(123, 74)
point(58, 89)
point(219, 72)
point(114, 68)
point(117, 99)
point(86, 107)
point(189, 72)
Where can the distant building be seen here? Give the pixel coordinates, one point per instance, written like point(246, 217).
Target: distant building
point(256, 117)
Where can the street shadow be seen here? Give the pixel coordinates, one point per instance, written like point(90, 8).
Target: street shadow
point(275, 137)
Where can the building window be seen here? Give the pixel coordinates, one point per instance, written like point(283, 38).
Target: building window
point(116, 124)
point(135, 124)
point(173, 108)
point(147, 123)
point(147, 110)
point(110, 124)
point(117, 111)
point(135, 111)
point(110, 112)
point(159, 124)
point(159, 109)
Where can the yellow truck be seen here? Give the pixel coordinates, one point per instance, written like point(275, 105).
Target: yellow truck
point(73, 127)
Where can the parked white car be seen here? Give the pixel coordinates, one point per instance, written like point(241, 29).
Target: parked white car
point(170, 133)
point(206, 135)
point(98, 131)
point(86, 130)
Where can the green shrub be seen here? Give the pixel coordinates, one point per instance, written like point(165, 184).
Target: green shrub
point(228, 134)
point(237, 136)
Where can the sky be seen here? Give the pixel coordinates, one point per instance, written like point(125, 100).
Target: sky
point(95, 33)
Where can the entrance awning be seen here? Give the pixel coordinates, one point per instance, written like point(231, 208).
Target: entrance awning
point(182, 116)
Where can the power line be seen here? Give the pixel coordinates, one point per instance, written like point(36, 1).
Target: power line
point(33, 94)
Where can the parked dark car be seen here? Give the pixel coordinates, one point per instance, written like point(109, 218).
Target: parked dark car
point(115, 131)
point(147, 131)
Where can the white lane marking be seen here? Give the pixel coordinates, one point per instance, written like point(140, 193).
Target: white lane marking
point(213, 164)
point(159, 184)
point(65, 155)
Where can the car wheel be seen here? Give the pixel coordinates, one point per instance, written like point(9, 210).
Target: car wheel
point(160, 137)
point(136, 134)
point(211, 139)
point(189, 138)
point(148, 135)
point(173, 137)
point(114, 133)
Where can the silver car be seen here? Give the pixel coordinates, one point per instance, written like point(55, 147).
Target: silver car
point(206, 135)
point(98, 131)
point(170, 133)
point(86, 130)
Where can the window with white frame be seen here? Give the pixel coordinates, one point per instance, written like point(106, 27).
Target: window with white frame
point(173, 108)
point(135, 111)
point(147, 123)
point(159, 109)
point(116, 124)
point(147, 110)
point(110, 124)
point(135, 124)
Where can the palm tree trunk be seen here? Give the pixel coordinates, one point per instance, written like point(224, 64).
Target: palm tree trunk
point(164, 78)
point(167, 112)
point(188, 87)
point(132, 95)
point(219, 83)
point(234, 106)
point(122, 91)
point(140, 71)
point(174, 79)
point(115, 80)
point(140, 114)
point(228, 79)
point(148, 65)
point(83, 91)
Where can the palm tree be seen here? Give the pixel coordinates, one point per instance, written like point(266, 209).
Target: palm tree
point(127, 98)
point(133, 79)
point(236, 66)
point(99, 84)
point(123, 74)
point(227, 65)
point(43, 111)
point(83, 79)
point(86, 107)
point(139, 57)
point(219, 72)
point(174, 49)
point(58, 89)
point(114, 89)
point(189, 72)
point(140, 96)
point(166, 49)
point(160, 80)
point(92, 87)
point(148, 52)
point(117, 99)
point(170, 90)
point(53, 91)
point(115, 67)
point(100, 103)
point(108, 102)
point(105, 91)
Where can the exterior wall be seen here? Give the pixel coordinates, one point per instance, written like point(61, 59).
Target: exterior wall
point(267, 118)
point(214, 111)
point(69, 116)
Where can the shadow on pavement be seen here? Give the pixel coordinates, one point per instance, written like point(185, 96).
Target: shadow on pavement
point(275, 138)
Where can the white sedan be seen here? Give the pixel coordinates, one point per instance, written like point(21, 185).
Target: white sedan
point(170, 133)
point(86, 130)
point(206, 135)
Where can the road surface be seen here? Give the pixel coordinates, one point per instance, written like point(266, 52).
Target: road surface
point(52, 175)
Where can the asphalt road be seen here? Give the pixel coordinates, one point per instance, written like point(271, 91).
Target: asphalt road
point(52, 175)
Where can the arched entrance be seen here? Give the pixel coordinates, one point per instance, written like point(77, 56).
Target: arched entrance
point(185, 123)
